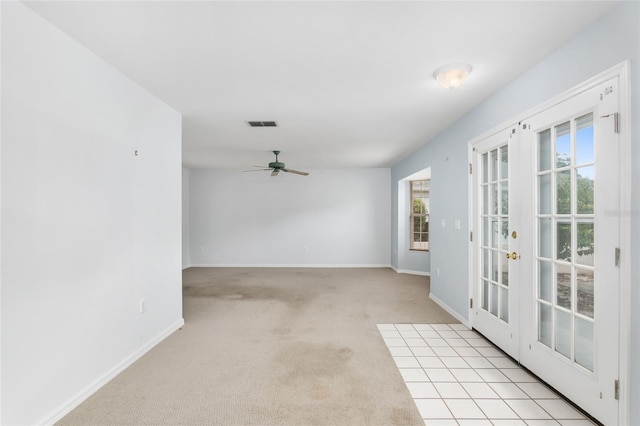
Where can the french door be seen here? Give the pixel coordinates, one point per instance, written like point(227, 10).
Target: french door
point(544, 265)
point(495, 211)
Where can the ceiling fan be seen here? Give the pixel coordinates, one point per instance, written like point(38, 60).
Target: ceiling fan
point(277, 167)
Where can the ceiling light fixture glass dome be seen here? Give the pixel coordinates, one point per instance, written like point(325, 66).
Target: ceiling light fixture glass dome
point(452, 76)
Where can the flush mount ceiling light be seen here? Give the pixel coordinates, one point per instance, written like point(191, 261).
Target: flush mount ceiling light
point(452, 76)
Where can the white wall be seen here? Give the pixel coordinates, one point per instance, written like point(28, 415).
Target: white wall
point(88, 228)
point(606, 43)
point(335, 217)
point(186, 256)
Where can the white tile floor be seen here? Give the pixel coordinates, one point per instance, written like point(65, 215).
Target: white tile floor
point(456, 377)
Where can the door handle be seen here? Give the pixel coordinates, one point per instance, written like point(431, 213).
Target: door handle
point(513, 256)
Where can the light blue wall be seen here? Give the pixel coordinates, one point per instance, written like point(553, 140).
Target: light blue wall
point(608, 42)
point(186, 219)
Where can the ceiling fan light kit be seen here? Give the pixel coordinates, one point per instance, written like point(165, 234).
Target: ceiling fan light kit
point(451, 76)
point(276, 167)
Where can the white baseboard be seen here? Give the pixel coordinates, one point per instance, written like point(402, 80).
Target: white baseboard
point(408, 271)
point(447, 308)
point(286, 265)
point(106, 378)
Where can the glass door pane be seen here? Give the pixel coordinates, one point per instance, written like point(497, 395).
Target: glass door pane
point(494, 238)
point(565, 239)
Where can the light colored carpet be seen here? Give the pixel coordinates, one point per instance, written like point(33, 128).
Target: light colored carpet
point(267, 346)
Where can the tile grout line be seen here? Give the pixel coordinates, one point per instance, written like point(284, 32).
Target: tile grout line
point(414, 399)
point(482, 380)
point(457, 382)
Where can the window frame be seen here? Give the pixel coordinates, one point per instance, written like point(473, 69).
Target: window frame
point(413, 244)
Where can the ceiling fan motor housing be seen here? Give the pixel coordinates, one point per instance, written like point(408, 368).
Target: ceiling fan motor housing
point(276, 165)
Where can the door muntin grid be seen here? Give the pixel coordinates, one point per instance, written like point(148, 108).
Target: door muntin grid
point(494, 229)
point(565, 180)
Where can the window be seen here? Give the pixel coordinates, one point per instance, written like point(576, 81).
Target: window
point(419, 214)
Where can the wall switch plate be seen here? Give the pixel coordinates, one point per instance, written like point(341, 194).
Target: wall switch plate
point(443, 223)
point(457, 224)
point(143, 306)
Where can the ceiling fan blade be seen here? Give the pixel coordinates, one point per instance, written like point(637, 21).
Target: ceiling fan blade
point(274, 172)
point(296, 172)
point(256, 170)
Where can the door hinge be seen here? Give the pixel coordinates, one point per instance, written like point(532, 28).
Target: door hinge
point(617, 255)
point(471, 236)
point(470, 303)
point(470, 168)
point(616, 121)
point(616, 389)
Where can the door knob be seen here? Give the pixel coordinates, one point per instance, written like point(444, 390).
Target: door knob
point(513, 256)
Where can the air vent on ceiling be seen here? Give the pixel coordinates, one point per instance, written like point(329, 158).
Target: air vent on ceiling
point(262, 124)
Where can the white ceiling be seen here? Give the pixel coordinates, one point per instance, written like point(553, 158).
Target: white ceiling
point(350, 83)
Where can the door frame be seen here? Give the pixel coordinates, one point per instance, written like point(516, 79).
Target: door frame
point(622, 72)
point(511, 345)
